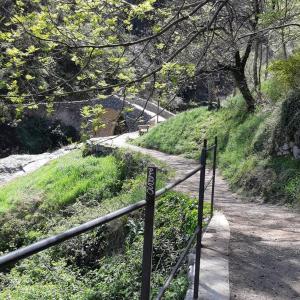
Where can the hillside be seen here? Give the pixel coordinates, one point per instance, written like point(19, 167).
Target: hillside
point(255, 150)
point(72, 190)
point(83, 84)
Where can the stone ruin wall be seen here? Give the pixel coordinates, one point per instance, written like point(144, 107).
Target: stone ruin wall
point(69, 114)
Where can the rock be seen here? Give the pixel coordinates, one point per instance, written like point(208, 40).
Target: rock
point(21, 164)
point(97, 148)
point(297, 137)
point(284, 149)
point(296, 152)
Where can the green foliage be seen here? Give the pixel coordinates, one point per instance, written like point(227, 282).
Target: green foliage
point(92, 119)
point(287, 72)
point(246, 144)
point(39, 51)
point(55, 277)
point(273, 89)
point(105, 263)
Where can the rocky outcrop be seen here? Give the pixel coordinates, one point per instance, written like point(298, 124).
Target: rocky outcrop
point(289, 149)
point(17, 165)
point(98, 148)
point(287, 137)
point(296, 151)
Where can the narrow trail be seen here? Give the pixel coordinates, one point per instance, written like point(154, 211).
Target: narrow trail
point(264, 256)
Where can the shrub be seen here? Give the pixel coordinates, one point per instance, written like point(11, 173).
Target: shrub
point(117, 274)
point(274, 89)
point(287, 72)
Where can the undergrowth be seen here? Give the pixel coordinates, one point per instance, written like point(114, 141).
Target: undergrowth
point(106, 262)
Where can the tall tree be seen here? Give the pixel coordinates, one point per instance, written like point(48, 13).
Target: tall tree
point(54, 49)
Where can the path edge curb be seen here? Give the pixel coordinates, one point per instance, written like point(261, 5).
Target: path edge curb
point(214, 264)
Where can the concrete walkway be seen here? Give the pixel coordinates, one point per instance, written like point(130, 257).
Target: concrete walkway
point(214, 267)
point(264, 251)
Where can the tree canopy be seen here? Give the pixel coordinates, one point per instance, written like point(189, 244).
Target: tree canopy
point(78, 49)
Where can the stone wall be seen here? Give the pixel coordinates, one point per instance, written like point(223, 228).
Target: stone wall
point(69, 114)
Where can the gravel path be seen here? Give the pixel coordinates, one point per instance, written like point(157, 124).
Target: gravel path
point(264, 257)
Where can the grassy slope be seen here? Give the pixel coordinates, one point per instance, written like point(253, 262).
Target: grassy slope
point(243, 158)
point(62, 181)
point(72, 190)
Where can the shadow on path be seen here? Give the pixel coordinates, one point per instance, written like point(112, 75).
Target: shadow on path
point(264, 256)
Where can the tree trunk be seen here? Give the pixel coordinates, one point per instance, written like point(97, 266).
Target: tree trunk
point(255, 65)
point(260, 67)
point(284, 49)
point(241, 82)
point(210, 92)
point(267, 60)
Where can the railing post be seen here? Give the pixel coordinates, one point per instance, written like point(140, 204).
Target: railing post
point(200, 219)
point(148, 233)
point(214, 177)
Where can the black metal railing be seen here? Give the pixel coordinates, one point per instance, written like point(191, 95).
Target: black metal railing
point(149, 204)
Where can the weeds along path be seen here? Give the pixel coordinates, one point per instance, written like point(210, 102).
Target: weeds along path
point(264, 257)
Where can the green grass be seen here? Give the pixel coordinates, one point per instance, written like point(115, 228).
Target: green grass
point(185, 133)
point(62, 181)
point(104, 263)
point(113, 276)
point(69, 191)
point(245, 142)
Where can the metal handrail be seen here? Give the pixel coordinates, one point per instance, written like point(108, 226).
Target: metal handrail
point(46, 243)
point(212, 147)
point(208, 183)
point(177, 266)
point(180, 260)
point(149, 204)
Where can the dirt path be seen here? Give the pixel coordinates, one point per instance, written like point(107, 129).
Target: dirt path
point(264, 258)
point(264, 255)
